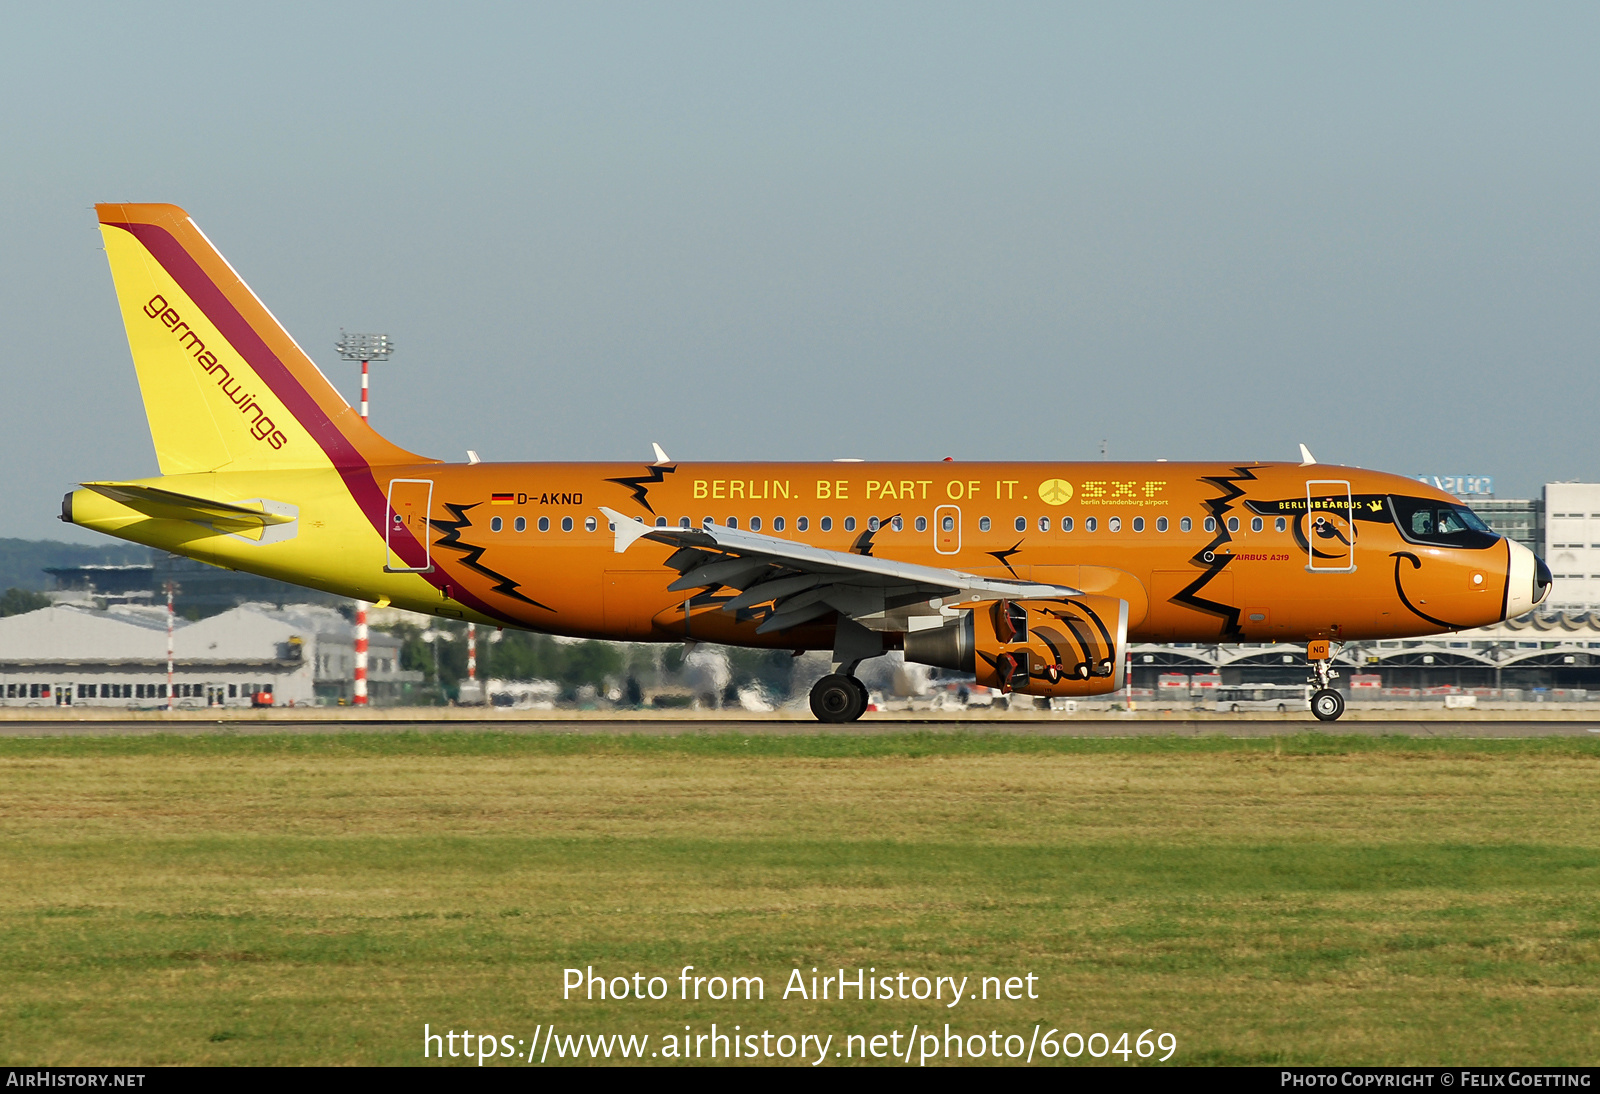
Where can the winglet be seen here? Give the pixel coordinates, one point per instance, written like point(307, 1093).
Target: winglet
point(628, 529)
point(661, 454)
point(1306, 458)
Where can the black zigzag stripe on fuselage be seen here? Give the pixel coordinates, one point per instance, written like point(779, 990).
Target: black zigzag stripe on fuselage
point(1218, 507)
point(641, 484)
point(471, 553)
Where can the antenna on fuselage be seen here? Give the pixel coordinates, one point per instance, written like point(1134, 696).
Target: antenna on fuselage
point(1306, 458)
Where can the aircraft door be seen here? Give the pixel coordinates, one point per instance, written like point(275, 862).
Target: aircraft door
point(947, 529)
point(1330, 530)
point(410, 501)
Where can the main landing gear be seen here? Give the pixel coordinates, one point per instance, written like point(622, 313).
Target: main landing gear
point(838, 697)
point(1326, 703)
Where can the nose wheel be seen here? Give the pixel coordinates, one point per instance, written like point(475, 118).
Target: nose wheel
point(838, 698)
point(1326, 703)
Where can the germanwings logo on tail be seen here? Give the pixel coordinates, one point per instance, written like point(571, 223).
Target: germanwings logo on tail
point(262, 428)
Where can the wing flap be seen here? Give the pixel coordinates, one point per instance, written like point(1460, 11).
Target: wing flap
point(802, 582)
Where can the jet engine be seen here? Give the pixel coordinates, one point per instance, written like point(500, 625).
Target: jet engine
point(1072, 646)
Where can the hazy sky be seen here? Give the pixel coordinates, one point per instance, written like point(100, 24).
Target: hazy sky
point(806, 231)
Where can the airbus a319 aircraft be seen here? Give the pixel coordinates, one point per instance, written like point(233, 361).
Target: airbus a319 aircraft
point(1032, 577)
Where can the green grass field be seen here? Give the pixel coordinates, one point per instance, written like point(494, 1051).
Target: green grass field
point(318, 899)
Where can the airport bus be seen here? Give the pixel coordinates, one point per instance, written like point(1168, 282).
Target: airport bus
point(1279, 697)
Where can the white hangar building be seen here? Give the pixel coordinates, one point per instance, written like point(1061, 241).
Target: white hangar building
point(69, 656)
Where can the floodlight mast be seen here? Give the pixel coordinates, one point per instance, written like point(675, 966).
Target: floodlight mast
point(364, 348)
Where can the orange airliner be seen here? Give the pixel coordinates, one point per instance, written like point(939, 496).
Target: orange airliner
point(1032, 577)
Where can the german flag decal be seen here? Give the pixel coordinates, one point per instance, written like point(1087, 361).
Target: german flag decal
point(502, 499)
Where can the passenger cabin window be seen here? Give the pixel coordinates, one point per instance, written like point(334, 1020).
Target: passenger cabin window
point(802, 524)
point(1422, 520)
point(1090, 524)
point(1114, 524)
point(544, 524)
point(1211, 524)
point(898, 524)
point(1185, 525)
point(872, 524)
point(755, 524)
point(1161, 524)
point(1138, 524)
point(1020, 524)
point(826, 524)
point(733, 522)
point(661, 522)
point(589, 524)
point(849, 524)
point(706, 522)
point(683, 522)
point(1281, 524)
point(1256, 524)
point(520, 524)
point(1044, 524)
point(983, 524)
point(1233, 524)
point(495, 524)
point(1066, 524)
point(778, 523)
point(922, 524)
point(948, 524)
point(566, 524)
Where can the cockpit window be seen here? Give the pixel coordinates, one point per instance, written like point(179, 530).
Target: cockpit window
point(1424, 520)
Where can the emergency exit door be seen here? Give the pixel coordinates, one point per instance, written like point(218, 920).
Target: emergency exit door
point(947, 529)
point(406, 536)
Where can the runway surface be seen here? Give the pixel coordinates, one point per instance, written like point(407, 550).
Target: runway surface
point(1065, 727)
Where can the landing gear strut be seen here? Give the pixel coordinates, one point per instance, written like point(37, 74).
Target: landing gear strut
point(1326, 703)
point(838, 697)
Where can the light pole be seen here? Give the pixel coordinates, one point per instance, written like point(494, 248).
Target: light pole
point(170, 689)
point(363, 348)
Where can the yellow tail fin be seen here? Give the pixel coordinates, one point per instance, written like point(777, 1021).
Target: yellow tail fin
point(225, 387)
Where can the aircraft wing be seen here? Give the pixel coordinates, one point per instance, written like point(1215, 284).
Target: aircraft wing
point(802, 582)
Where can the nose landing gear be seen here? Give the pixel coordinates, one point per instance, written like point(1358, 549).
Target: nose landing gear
point(1326, 703)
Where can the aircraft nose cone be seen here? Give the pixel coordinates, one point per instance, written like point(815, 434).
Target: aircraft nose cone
point(1527, 580)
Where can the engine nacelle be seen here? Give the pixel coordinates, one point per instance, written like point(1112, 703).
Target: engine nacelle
point(1072, 646)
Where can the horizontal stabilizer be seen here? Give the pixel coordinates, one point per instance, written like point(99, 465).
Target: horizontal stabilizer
point(169, 505)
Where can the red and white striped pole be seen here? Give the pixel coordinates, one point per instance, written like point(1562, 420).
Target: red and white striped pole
point(361, 653)
point(361, 605)
point(472, 652)
point(169, 645)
